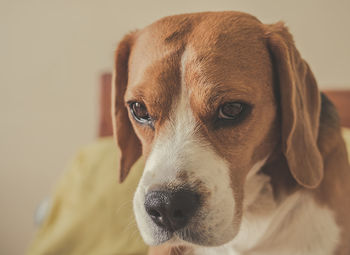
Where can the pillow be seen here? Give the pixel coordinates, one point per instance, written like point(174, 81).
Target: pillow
point(91, 213)
point(346, 136)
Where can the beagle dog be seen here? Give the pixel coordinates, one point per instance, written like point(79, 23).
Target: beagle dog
point(244, 155)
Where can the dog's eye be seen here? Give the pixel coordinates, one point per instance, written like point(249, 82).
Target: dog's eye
point(231, 110)
point(139, 112)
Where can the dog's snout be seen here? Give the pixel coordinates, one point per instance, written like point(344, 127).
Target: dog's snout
point(171, 210)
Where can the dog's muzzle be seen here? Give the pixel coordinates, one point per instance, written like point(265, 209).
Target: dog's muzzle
point(171, 210)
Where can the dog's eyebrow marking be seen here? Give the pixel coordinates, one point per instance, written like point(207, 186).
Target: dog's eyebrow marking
point(135, 93)
point(216, 93)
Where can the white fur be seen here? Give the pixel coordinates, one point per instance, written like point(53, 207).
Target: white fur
point(298, 226)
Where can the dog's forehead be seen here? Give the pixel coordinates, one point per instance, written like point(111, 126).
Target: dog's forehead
point(204, 50)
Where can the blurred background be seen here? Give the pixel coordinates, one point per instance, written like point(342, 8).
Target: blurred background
point(52, 54)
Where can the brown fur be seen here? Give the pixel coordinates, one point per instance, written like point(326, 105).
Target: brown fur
point(243, 60)
point(127, 141)
point(334, 190)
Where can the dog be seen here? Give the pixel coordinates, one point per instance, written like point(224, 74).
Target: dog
point(244, 155)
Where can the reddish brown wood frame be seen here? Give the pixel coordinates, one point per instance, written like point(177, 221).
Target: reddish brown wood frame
point(105, 127)
point(341, 99)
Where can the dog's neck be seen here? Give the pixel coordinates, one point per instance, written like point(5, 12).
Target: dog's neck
point(287, 226)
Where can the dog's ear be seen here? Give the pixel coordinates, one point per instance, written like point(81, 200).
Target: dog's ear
point(300, 107)
point(129, 144)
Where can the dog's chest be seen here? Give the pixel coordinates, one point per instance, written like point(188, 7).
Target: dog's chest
point(297, 227)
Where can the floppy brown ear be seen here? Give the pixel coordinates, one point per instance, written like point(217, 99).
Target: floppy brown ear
point(300, 107)
point(129, 144)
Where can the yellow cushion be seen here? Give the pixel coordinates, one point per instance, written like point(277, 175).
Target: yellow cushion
point(92, 213)
point(346, 135)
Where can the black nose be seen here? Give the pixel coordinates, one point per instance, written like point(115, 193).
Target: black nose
point(171, 209)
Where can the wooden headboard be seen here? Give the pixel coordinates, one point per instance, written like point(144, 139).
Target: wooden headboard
point(105, 127)
point(340, 98)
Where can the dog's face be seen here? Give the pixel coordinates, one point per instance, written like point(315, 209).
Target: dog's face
point(200, 97)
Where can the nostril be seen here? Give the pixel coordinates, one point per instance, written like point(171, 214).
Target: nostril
point(154, 213)
point(171, 210)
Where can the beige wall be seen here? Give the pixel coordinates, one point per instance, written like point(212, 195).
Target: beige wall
point(51, 53)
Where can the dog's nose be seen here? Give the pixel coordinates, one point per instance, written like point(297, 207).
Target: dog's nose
point(171, 209)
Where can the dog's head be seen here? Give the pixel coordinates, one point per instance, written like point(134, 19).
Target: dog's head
point(207, 98)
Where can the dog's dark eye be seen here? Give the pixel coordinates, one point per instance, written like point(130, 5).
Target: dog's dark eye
point(231, 110)
point(139, 112)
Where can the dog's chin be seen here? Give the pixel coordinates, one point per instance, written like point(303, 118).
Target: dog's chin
point(159, 237)
point(188, 237)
